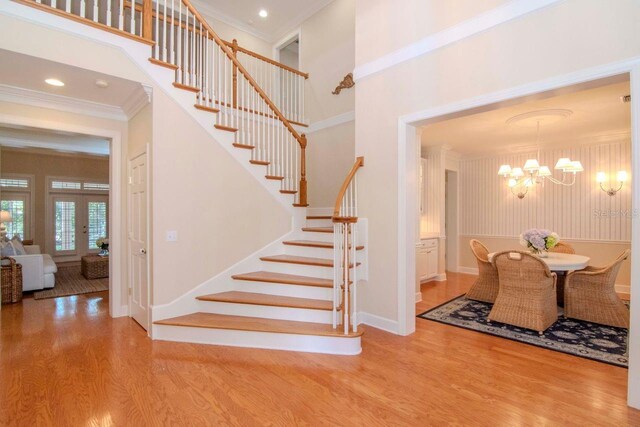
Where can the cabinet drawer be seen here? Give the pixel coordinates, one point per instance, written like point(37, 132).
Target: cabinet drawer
point(429, 243)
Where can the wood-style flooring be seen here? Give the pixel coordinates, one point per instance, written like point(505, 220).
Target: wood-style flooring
point(65, 362)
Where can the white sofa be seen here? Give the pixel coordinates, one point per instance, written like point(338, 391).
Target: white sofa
point(38, 270)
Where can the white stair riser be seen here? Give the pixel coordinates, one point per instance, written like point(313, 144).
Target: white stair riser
point(266, 312)
point(266, 340)
point(312, 252)
point(319, 223)
point(285, 290)
point(312, 235)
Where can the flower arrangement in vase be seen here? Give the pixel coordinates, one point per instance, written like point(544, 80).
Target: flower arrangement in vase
point(539, 241)
point(103, 244)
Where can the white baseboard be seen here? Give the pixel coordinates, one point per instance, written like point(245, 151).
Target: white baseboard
point(378, 322)
point(468, 270)
point(418, 296)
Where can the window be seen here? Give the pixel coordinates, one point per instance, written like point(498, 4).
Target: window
point(97, 222)
point(65, 225)
point(16, 207)
point(96, 186)
point(66, 185)
point(14, 183)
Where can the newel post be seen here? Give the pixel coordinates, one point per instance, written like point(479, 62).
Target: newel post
point(234, 49)
point(147, 19)
point(303, 171)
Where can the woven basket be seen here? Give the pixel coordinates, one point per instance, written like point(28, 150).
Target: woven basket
point(95, 267)
point(11, 281)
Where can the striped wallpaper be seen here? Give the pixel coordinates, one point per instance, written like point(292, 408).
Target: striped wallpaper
point(581, 212)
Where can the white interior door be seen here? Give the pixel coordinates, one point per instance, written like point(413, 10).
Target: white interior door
point(137, 236)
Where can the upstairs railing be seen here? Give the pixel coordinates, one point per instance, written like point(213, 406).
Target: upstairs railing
point(345, 218)
point(247, 91)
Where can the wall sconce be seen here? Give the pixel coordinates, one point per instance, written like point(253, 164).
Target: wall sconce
point(621, 177)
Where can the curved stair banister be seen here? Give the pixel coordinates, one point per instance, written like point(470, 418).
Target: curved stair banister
point(345, 218)
point(210, 68)
point(182, 40)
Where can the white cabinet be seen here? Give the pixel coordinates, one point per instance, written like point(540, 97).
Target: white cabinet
point(427, 259)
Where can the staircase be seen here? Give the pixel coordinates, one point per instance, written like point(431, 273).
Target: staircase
point(286, 304)
point(302, 295)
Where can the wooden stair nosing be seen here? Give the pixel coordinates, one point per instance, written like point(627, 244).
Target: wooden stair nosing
point(274, 177)
point(284, 279)
point(314, 244)
point(318, 229)
point(292, 259)
point(205, 108)
point(243, 146)
point(225, 128)
point(250, 298)
point(319, 217)
point(256, 324)
point(300, 205)
point(288, 191)
point(259, 162)
point(186, 87)
point(163, 63)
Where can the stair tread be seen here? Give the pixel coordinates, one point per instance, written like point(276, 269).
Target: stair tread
point(319, 217)
point(290, 279)
point(314, 244)
point(318, 229)
point(239, 297)
point(256, 324)
point(293, 259)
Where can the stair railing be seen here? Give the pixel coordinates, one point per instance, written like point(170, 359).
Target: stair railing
point(345, 218)
point(182, 40)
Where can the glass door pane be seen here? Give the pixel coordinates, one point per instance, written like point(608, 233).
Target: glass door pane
point(97, 222)
point(65, 225)
point(17, 210)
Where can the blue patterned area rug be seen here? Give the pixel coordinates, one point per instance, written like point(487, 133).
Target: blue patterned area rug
point(606, 344)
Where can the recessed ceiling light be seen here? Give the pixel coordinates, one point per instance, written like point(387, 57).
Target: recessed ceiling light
point(102, 83)
point(263, 13)
point(54, 82)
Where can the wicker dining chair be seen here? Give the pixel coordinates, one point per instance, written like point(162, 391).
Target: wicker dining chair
point(485, 288)
point(527, 294)
point(563, 248)
point(590, 295)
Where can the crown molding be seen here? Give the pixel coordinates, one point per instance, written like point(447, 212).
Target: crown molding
point(136, 101)
point(507, 12)
point(29, 144)
point(209, 11)
point(289, 26)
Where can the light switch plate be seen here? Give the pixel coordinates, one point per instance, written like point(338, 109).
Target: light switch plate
point(172, 236)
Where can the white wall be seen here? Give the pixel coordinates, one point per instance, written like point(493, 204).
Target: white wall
point(568, 36)
point(577, 212)
point(328, 56)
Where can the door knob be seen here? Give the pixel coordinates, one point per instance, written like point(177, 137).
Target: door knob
point(143, 251)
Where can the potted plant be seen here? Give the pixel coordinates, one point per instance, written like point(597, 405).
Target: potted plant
point(539, 241)
point(103, 244)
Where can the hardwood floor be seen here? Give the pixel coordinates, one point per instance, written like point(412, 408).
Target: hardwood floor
point(64, 362)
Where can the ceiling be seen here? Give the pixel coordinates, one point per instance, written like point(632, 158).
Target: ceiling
point(79, 83)
point(284, 15)
point(66, 142)
point(589, 115)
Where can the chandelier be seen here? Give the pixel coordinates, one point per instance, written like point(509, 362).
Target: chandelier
point(519, 180)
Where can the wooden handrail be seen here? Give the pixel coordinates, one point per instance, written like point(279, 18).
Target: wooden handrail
point(357, 165)
point(189, 27)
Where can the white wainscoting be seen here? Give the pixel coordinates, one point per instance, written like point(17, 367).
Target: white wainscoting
point(581, 211)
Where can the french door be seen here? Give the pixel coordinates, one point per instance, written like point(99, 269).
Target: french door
point(78, 221)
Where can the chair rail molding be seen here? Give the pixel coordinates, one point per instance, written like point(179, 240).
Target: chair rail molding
point(336, 120)
point(494, 17)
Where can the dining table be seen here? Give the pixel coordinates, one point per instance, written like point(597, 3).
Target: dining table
point(561, 264)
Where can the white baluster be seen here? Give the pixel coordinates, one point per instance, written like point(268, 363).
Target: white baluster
point(354, 278)
point(95, 11)
point(192, 61)
point(172, 47)
point(156, 50)
point(164, 30)
point(132, 30)
point(345, 268)
point(83, 9)
point(120, 15)
point(109, 13)
point(53, 3)
point(180, 38)
point(67, 6)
